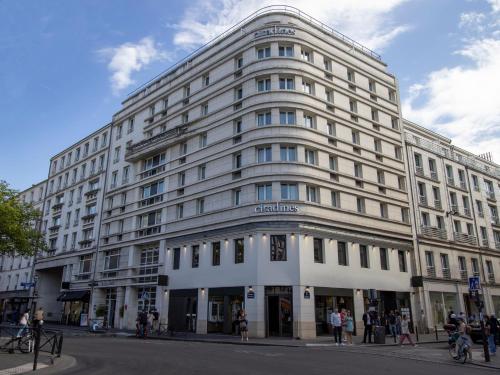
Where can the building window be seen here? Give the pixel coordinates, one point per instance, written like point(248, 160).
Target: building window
point(360, 205)
point(342, 254)
point(204, 109)
point(285, 51)
point(176, 258)
point(402, 261)
point(216, 253)
point(309, 122)
point(310, 156)
point(278, 248)
point(363, 256)
point(263, 52)
point(180, 210)
point(264, 85)
point(358, 170)
point(264, 119)
point(306, 55)
point(384, 211)
point(288, 153)
point(202, 169)
point(350, 75)
point(200, 206)
point(85, 264)
point(287, 84)
point(195, 256)
point(311, 194)
point(289, 192)
point(335, 199)
point(264, 155)
point(287, 118)
point(319, 251)
point(264, 192)
point(307, 87)
point(384, 259)
point(205, 79)
point(239, 250)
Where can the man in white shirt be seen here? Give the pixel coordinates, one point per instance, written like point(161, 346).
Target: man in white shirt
point(336, 322)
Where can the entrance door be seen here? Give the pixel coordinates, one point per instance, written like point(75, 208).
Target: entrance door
point(110, 307)
point(279, 311)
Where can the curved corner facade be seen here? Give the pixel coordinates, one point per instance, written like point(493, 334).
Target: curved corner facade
point(267, 172)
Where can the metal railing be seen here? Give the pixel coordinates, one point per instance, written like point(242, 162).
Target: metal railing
point(186, 61)
point(434, 232)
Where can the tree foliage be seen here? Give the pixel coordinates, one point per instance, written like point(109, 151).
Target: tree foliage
point(18, 224)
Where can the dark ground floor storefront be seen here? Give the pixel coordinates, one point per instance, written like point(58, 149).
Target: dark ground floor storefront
point(75, 307)
point(279, 312)
point(325, 301)
point(224, 304)
point(183, 310)
point(13, 304)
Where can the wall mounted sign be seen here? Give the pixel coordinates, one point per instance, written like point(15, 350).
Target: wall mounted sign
point(250, 294)
point(307, 294)
point(277, 207)
point(275, 30)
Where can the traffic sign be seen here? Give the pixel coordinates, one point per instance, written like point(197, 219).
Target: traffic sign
point(27, 285)
point(474, 283)
point(145, 296)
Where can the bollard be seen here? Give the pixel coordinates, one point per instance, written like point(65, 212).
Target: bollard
point(436, 332)
point(36, 331)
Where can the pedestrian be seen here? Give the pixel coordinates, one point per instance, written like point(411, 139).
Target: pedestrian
point(143, 324)
point(398, 323)
point(336, 322)
point(367, 321)
point(405, 332)
point(38, 317)
point(392, 325)
point(23, 322)
point(349, 327)
point(492, 327)
point(243, 323)
point(463, 317)
point(151, 318)
point(343, 314)
point(156, 320)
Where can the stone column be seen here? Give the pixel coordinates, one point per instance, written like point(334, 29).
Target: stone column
point(201, 314)
point(120, 302)
point(255, 309)
point(304, 320)
point(130, 313)
point(460, 299)
point(359, 310)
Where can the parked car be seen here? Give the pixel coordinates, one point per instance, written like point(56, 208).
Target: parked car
point(476, 335)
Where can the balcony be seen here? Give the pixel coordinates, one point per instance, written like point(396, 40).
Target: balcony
point(422, 199)
point(435, 232)
point(463, 185)
point(495, 221)
point(431, 272)
point(148, 231)
point(419, 171)
point(58, 206)
point(464, 276)
point(438, 205)
point(497, 245)
point(485, 242)
point(434, 176)
point(450, 181)
point(467, 212)
point(151, 145)
point(465, 238)
point(454, 207)
point(446, 273)
point(490, 195)
point(491, 278)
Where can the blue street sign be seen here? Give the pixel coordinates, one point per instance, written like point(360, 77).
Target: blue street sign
point(474, 283)
point(27, 285)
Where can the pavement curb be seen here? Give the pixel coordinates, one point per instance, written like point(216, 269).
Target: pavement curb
point(61, 363)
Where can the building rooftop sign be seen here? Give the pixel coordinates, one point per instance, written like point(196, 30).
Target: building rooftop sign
point(277, 207)
point(275, 30)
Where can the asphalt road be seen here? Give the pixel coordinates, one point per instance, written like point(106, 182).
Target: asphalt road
point(106, 355)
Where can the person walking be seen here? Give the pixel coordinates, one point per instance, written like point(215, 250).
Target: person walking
point(492, 327)
point(143, 324)
point(151, 319)
point(349, 327)
point(243, 323)
point(405, 332)
point(336, 322)
point(392, 325)
point(23, 322)
point(38, 317)
point(367, 321)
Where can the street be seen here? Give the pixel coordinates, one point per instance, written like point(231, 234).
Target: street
point(107, 355)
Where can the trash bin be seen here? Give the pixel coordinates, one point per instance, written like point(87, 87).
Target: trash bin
point(379, 335)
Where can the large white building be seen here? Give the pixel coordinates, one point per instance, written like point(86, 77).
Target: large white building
point(268, 171)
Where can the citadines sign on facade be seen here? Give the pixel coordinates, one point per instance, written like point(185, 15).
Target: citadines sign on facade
point(276, 208)
point(275, 30)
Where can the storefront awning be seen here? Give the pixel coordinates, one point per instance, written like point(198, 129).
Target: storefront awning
point(14, 294)
point(75, 295)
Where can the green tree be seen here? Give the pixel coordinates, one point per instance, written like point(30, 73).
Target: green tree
point(18, 224)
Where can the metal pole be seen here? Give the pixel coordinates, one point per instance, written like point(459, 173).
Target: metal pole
point(416, 332)
point(59, 347)
point(436, 332)
point(37, 344)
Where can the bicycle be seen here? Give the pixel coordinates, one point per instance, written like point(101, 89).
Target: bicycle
point(453, 347)
point(25, 343)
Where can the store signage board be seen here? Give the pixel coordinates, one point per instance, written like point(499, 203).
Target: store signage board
point(474, 283)
point(274, 208)
point(275, 30)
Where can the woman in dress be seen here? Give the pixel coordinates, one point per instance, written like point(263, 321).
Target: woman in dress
point(242, 318)
point(349, 327)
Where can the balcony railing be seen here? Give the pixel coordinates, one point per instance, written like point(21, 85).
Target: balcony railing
point(490, 195)
point(465, 238)
point(495, 220)
point(434, 176)
point(419, 171)
point(450, 181)
point(464, 275)
point(467, 212)
point(155, 141)
point(429, 231)
point(446, 273)
point(438, 205)
point(422, 199)
point(431, 271)
point(491, 278)
point(463, 185)
point(497, 245)
point(485, 242)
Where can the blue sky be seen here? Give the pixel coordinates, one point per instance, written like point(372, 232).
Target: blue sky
point(65, 66)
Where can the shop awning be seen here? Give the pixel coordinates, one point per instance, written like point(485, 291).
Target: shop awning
point(75, 295)
point(14, 294)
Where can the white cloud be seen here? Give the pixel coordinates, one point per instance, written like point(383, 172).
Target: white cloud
point(367, 22)
point(128, 58)
point(462, 102)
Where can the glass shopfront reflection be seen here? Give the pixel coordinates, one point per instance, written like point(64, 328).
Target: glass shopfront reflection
point(279, 311)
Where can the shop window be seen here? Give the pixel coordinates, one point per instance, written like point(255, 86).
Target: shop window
point(319, 251)
point(239, 250)
point(278, 248)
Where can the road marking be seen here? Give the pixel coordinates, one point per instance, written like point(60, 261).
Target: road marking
point(21, 369)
